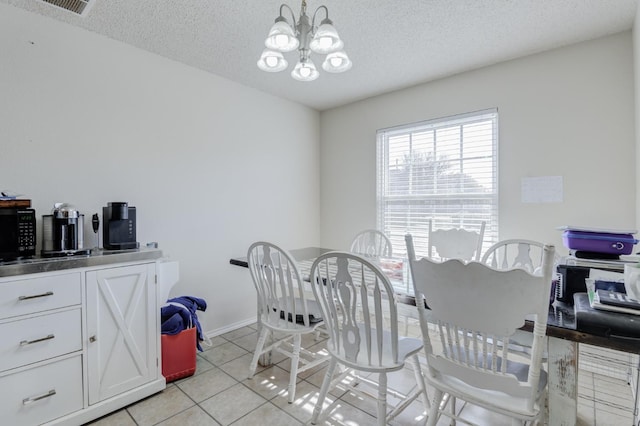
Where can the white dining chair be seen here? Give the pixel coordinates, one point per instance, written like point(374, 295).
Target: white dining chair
point(286, 307)
point(455, 243)
point(361, 317)
point(475, 306)
point(372, 243)
point(515, 253)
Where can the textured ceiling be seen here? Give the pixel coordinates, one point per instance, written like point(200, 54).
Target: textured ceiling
point(393, 43)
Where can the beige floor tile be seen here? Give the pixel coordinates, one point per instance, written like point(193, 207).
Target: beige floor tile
point(223, 353)
point(317, 378)
point(194, 416)
point(414, 414)
point(232, 336)
point(267, 414)
point(202, 365)
point(160, 406)
point(213, 343)
point(119, 418)
point(302, 407)
point(369, 403)
point(319, 350)
point(207, 384)
point(339, 389)
point(239, 367)
point(248, 342)
point(269, 382)
point(231, 404)
point(339, 413)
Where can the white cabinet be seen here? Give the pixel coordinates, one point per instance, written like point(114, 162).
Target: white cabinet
point(80, 342)
point(39, 394)
point(122, 329)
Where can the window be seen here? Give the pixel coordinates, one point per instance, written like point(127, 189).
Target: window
point(443, 170)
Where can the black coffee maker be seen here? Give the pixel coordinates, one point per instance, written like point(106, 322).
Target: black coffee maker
point(63, 232)
point(119, 226)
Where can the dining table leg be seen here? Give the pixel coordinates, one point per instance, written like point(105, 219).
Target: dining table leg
point(563, 382)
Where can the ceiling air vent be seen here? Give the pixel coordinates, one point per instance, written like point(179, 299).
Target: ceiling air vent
point(75, 6)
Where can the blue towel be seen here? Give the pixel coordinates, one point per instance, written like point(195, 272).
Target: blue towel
point(179, 313)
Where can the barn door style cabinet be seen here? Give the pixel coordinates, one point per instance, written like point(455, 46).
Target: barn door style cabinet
point(80, 336)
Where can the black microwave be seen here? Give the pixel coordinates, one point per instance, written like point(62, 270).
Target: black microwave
point(17, 233)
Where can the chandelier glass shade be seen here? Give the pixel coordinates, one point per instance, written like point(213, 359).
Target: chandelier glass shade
point(305, 37)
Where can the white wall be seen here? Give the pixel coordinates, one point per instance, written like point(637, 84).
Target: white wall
point(210, 165)
point(636, 75)
point(567, 112)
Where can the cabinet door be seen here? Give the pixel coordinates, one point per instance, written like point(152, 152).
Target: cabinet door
point(122, 329)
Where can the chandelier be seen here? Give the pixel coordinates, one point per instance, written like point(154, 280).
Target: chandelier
point(306, 37)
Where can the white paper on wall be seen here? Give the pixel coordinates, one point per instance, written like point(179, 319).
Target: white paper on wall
point(542, 189)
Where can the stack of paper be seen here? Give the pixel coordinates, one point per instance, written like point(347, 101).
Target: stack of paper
point(614, 301)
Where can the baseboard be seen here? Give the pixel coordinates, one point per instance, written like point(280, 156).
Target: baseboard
point(231, 327)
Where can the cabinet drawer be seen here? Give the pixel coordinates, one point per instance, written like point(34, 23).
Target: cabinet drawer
point(38, 338)
point(25, 296)
point(43, 393)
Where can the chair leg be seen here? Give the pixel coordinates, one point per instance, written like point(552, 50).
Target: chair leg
point(323, 390)
point(435, 403)
point(417, 370)
point(256, 355)
point(295, 359)
point(382, 399)
point(452, 400)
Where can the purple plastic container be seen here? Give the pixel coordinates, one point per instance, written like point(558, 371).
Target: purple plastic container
point(599, 242)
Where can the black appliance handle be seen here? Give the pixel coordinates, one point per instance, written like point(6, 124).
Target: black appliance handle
point(95, 222)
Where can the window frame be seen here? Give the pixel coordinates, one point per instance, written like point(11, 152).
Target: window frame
point(383, 170)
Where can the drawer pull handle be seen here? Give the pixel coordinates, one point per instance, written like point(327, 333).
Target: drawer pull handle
point(29, 400)
point(35, 296)
point(42, 339)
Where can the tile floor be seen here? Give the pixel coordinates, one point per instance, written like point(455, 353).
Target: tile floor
point(219, 393)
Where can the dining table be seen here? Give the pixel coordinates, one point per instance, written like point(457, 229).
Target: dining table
point(562, 332)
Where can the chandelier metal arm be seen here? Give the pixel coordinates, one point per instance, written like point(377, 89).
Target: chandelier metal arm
point(326, 16)
point(293, 15)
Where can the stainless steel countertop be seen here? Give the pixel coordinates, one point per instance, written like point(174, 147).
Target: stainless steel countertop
point(95, 258)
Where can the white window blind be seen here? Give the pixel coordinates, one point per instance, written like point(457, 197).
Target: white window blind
point(444, 170)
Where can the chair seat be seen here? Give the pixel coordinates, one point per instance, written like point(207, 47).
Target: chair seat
point(499, 401)
point(407, 346)
point(283, 321)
